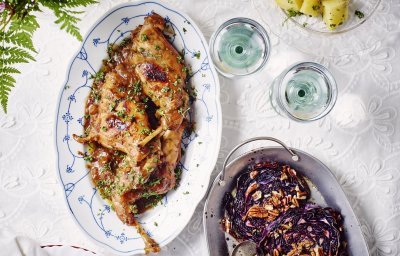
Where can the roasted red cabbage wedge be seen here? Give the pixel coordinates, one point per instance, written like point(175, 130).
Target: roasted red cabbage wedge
point(262, 193)
point(309, 230)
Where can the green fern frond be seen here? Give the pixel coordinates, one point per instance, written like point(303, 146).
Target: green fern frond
point(22, 39)
point(8, 78)
point(14, 51)
point(17, 26)
point(77, 3)
point(5, 89)
point(68, 23)
point(9, 70)
point(28, 24)
point(13, 60)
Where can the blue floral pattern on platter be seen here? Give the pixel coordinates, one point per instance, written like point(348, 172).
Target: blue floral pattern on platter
point(92, 213)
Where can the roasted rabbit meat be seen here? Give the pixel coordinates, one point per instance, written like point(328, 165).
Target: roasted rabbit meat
point(135, 120)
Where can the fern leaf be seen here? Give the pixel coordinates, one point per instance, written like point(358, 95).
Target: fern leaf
point(8, 78)
point(16, 44)
point(13, 60)
point(22, 39)
point(28, 24)
point(15, 52)
point(68, 23)
point(5, 89)
point(77, 3)
point(9, 70)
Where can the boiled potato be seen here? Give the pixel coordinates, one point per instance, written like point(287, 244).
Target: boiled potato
point(335, 12)
point(293, 5)
point(311, 7)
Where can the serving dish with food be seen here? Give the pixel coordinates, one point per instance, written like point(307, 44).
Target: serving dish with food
point(284, 202)
point(138, 115)
point(321, 27)
point(328, 16)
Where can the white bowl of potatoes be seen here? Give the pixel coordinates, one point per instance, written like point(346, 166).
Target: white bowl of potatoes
point(306, 24)
point(328, 16)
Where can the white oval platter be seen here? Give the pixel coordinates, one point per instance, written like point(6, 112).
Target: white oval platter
point(90, 211)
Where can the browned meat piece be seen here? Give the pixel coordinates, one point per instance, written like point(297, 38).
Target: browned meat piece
point(117, 122)
point(162, 72)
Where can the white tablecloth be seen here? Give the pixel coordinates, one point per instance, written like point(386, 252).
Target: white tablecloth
point(359, 140)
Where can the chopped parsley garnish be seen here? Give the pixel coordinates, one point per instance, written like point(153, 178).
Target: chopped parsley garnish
point(106, 187)
point(197, 55)
point(125, 42)
point(106, 167)
point(149, 194)
point(121, 189)
point(110, 49)
point(359, 14)
point(177, 81)
point(179, 58)
point(291, 13)
point(133, 208)
point(112, 106)
point(157, 47)
point(186, 193)
point(193, 92)
point(141, 180)
point(136, 88)
point(98, 77)
point(96, 96)
point(183, 111)
point(178, 174)
point(121, 113)
point(145, 131)
point(154, 182)
point(88, 158)
point(316, 7)
point(104, 129)
point(155, 199)
point(144, 37)
point(165, 89)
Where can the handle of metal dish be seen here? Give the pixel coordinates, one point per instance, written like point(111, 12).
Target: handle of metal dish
point(222, 178)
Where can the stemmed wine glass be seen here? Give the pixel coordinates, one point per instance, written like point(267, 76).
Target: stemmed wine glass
point(305, 91)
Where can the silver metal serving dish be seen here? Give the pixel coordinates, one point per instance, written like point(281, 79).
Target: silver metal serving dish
point(325, 191)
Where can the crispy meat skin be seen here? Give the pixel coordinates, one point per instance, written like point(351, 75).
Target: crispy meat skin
point(163, 73)
point(143, 77)
point(115, 122)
